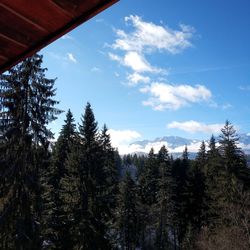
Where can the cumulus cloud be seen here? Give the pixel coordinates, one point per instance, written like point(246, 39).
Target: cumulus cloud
point(194, 126)
point(122, 138)
point(67, 37)
point(136, 78)
point(244, 87)
point(138, 63)
point(148, 37)
point(135, 62)
point(192, 148)
point(132, 48)
point(115, 57)
point(167, 96)
point(71, 57)
point(95, 69)
point(226, 106)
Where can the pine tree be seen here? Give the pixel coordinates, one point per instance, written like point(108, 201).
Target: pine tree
point(110, 173)
point(27, 106)
point(197, 189)
point(215, 183)
point(148, 181)
point(165, 207)
point(182, 203)
point(55, 219)
point(150, 178)
point(89, 162)
point(234, 158)
point(127, 215)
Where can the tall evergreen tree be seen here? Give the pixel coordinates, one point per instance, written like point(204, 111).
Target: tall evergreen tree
point(127, 215)
point(149, 179)
point(55, 219)
point(215, 183)
point(234, 158)
point(27, 106)
point(165, 207)
point(148, 189)
point(182, 202)
point(197, 184)
point(110, 173)
point(89, 162)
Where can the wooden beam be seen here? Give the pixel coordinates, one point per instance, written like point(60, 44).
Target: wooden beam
point(55, 35)
point(14, 41)
point(23, 17)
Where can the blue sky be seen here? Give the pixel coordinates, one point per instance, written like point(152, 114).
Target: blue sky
point(149, 70)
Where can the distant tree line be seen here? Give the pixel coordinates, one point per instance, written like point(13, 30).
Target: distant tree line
point(73, 194)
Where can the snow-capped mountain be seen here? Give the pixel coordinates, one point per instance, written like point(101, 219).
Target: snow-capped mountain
point(176, 144)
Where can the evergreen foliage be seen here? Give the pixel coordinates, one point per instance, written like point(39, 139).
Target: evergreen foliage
point(127, 214)
point(27, 106)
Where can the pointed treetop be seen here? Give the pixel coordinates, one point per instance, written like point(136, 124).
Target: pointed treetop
point(228, 133)
point(212, 143)
point(163, 154)
point(105, 138)
point(88, 129)
point(185, 153)
point(151, 153)
point(69, 126)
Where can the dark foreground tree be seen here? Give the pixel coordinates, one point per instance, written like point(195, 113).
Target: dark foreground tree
point(127, 215)
point(27, 106)
point(165, 207)
point(56, 228)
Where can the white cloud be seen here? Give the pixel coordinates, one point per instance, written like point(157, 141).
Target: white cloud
point(194, 126)
point(149, 36)
point(146, 38)
point(192, 148)
point(244, 88)
point(226, 106)
point(99, 20)
point(96, 69)
point(67, 37)
point(167, 96)
point(136, 78)
point(135, 61)
point(122, 138)
point(138, 63)
point(115, 57)
point(71, 57)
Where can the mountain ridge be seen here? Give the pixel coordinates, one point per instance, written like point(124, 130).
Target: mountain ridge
point(176, 144)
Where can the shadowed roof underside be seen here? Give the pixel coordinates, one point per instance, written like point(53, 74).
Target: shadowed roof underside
point(27, 26)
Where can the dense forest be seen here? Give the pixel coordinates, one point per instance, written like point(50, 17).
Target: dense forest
point(79, 193)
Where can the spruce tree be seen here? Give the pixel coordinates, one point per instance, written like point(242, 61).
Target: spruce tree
point(182, 203)
point(127, 215)
point(55, 219)
point(89, 164)
point(197, 189)
point(234, 158)
point(215, 183)
point(110, 173)
point(165, 207)
point(150, 178)
point(27, 106)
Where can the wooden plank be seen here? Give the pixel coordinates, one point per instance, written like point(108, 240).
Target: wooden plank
point(3, 59)
point(77, 7)
point(8, 49)
point(16, 13)
point(14, 41)
point(40, 12)
point(16, 54)
point(18, 29)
